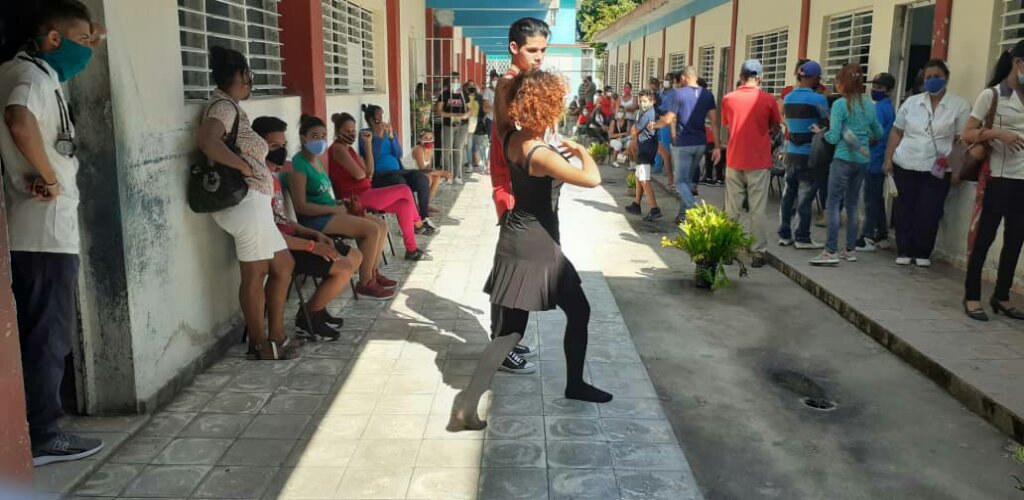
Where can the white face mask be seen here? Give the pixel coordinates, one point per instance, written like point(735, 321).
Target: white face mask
point(620, 115)
point(667, 84)
point(456, 87)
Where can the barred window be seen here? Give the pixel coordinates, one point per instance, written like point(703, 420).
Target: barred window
point(636, 73)
point(613, 70)
point(586, 62)
point(847, 41)
point(348, 47)
point(651, 68)
point(676, 62)
point(771, 49)
point(706, 66)
point(1013, 23)
point(248, 26)
point(621, 78)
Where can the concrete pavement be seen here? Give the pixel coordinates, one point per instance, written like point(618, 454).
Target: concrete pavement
point(365, 417)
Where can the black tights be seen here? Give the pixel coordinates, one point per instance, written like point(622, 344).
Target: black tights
point(573, 302)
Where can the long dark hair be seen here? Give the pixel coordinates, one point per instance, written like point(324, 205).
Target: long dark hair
point(1004, 66)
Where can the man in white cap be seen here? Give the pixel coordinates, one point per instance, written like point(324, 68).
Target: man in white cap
point(752, 116)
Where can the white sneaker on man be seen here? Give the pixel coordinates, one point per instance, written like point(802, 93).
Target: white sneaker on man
point(808, 245)
point(826, 258)
point(923, 262)
point(867, 246)
point(904, 261)
point(785, 242)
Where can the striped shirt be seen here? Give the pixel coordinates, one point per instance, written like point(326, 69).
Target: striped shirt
point(804, 107)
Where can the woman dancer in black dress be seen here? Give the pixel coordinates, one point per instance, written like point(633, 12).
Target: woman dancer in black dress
point(530, 272)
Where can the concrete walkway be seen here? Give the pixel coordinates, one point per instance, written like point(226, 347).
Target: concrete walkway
point(365, 417)
point(917, 314)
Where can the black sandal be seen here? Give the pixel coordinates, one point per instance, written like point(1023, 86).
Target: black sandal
point(1010, 312)
point(977, 314)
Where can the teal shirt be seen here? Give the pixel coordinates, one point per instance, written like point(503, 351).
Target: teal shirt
point(862, 121)
point(318, 183)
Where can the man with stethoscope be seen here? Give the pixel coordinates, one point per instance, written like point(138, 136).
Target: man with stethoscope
point(37, 145)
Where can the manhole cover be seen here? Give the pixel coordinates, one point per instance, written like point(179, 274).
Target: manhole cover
point(819, 404)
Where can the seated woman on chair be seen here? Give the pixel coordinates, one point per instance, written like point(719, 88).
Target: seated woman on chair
point(310, 188)
point(315, 254)
point(351, 180)
point(387, 162)
point(423, 155)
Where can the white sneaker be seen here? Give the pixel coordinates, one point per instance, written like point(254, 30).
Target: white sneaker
point(848, 255)
point(904, 261)
point(457, 181)
point(808, 245)
point(785, 242)
point(883, 244)
point(923, 262)
point(826, 258)
point(867, 246)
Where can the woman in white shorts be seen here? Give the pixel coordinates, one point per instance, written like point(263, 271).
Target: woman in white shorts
point(262, 253)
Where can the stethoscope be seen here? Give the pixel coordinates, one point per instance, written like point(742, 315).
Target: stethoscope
point(65, 144)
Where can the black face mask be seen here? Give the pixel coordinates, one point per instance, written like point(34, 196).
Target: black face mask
point(347, 139)
point(278, 156)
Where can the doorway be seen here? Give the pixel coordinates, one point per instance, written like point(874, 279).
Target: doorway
point(912, 46)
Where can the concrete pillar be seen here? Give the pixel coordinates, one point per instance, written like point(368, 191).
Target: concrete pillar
point(302, 41)
point(15, 457)
point(693, 28)
point(394, 88)
point(940, 29)
point(805, 28)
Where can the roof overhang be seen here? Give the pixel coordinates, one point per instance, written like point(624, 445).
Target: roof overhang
point(487, 22)
point(653, 16)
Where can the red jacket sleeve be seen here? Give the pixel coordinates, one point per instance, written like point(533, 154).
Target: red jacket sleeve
point(501, 181)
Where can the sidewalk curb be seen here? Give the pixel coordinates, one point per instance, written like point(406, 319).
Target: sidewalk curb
point(972, 398)
point(1004, 419)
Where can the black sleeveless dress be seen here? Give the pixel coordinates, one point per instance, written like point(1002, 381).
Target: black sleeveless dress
point(529, 267)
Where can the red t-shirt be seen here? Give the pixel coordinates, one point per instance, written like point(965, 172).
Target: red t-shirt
point(606, 106)
point(501, 180)
point(277, 203)
point(750, 113)
point(344, 184)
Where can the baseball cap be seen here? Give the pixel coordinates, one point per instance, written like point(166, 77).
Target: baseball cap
point(752, 67)
point(810, 69)
point(886, 80)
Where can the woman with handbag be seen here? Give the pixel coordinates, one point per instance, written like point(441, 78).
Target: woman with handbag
point(226, 137)
point(351, 180)
point(918, 157)
point(997, 120)
point(310, 187)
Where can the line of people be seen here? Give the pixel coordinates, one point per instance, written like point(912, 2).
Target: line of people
point(363, 178)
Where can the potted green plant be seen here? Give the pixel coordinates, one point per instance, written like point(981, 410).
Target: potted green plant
point(713, 239)
point(599, 152)
point(631, 183)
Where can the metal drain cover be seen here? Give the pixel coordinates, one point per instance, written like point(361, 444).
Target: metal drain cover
point(819, 404)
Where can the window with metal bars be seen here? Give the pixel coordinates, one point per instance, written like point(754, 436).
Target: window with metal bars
point(621, 80)
point(706, 65)
point(676, 62)
point(636, 73)
point(348, 47)
point(613, 73)
point(1013, 23)
point(248, 26)
point(771, 49)
point(651, 68)
point(847, 41)
point(586, 62)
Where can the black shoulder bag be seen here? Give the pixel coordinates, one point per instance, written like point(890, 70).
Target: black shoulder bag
point(213, 187)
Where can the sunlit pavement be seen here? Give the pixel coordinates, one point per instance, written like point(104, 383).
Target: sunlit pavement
point(366, 417)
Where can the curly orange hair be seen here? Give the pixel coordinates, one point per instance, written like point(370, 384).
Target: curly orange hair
point(538, 99)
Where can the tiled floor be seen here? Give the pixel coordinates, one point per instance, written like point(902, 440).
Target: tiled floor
point(365, 417)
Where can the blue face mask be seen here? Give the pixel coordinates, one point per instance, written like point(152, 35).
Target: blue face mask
point(878, 95)
point(67, 60)
point(934, 85)
point(316, 147)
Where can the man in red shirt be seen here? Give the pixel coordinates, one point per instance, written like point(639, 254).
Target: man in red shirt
point(752, 116)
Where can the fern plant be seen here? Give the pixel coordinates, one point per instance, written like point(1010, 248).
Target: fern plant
point(713, 239)
point(599, 151)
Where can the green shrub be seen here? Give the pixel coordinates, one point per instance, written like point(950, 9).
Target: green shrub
point(599, 151)
point(712, 239)
point(631, 180)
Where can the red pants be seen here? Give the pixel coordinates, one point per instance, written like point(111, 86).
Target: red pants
point(395, 200)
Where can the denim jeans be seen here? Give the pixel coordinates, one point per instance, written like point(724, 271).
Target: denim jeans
point(844, 182)
point(45, 291)
point(684, 160)
point(875, 225)
point(801, 187)
point(664, 139)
